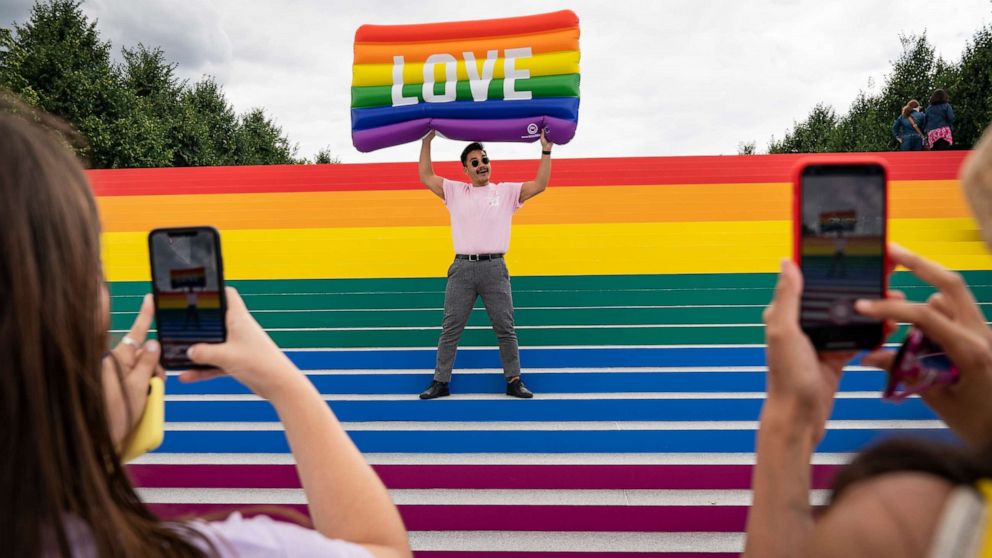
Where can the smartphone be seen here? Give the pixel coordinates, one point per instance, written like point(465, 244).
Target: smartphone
point(150, 429)
point(188, 286)
point(840, 222)
point(920, 364)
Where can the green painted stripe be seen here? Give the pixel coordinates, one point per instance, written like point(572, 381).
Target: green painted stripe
point(524, 317)
point(566, 85)
point(528, 337)
point(523, 300)
point(522, 283)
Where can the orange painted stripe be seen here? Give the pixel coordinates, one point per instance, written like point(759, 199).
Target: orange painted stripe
point(539, 43)
point(463, 30)
point(594, 204)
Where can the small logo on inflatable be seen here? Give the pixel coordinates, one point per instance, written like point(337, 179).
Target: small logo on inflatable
point(532, 128)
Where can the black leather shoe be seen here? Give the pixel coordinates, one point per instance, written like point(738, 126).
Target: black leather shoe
point(435, 390)
point(517, 388)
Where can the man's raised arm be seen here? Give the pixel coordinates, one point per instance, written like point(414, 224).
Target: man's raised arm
point(427, 176)
point(540, 182)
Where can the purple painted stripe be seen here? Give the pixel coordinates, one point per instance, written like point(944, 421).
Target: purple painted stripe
point(648, 519)
point(618, 477)
point(560, 131)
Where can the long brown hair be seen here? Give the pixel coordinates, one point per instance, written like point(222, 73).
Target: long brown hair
point(954, 463)
point(58, 462)
point(908, 109)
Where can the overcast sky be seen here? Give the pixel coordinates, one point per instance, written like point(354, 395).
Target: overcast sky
point(658, 77)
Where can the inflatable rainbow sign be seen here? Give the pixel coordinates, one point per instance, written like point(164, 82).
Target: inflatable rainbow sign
point(488, 80)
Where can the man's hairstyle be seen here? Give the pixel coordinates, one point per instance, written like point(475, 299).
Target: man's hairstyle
point(474, 146)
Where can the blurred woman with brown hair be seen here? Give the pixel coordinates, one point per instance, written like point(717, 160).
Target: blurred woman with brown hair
point(66, 407)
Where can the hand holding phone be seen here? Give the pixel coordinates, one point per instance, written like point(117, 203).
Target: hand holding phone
point(188, 285)
point(249, 354)
point(952, 319)
point(840, 218)
point(133, 387)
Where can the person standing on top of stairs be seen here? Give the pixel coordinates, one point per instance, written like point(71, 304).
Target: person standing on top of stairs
point(481, 214)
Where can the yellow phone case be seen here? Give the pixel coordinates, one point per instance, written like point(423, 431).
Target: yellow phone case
point(148, 433)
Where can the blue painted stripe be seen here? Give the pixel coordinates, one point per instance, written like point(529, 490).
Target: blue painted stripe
point(413, 409)
point(406, 359)
point(547, 382)
point(559, 107)
point(526, 441)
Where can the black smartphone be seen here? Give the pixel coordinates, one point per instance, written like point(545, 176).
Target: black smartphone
point(188, 286)
point(840, 230)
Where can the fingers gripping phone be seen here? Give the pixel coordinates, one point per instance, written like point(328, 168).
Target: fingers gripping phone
point(188, 286)
point(839, 238)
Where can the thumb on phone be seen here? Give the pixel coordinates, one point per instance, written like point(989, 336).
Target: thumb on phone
point(208, 353)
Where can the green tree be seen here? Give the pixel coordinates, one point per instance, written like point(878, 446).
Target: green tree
point(747, 148)
point(970, 89)
point(137, 113)
point(324, 156)
point(259, 140)
point(813, 135)
point(915, 74)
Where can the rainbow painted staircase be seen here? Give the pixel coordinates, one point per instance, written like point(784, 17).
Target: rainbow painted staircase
point(639, 286)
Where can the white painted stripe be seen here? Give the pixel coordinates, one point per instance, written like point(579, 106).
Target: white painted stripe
point(486, 371)
point(582, 541)
point(215, 397)
point(415, 459)
point(540, 348)
point(447, 426)
point(519, 327)
point(441, 309)
point(474, 497)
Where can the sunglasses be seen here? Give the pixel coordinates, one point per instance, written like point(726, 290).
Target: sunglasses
point(475, 162)
point(919, 365)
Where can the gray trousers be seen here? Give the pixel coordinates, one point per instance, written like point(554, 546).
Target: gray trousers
point(466, 282)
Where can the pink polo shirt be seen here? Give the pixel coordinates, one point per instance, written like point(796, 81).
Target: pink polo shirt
point(481, 216)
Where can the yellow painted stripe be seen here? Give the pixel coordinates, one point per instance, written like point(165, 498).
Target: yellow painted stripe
point(559, 205)
point(985, 487)
point(579, 249)
point(550, 64)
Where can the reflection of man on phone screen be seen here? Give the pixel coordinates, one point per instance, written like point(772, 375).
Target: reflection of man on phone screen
point(838, 264)
point(191, 310)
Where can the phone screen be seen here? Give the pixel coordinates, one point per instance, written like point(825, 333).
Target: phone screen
point(842, 253)
point(188, 284)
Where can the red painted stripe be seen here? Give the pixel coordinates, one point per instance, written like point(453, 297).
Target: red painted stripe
point(616, 477)
point(456, 30)
point(651, 519)
point(940, 165)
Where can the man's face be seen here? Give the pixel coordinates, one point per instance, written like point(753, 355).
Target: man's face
point(477, 166)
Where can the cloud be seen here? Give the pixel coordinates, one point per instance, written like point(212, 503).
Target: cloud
point(14, 11)
point(192, 34)
point(658, 78)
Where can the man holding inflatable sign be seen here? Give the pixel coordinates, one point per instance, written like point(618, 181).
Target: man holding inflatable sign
point(511, 79)
point(491, 80)
point(481, 214)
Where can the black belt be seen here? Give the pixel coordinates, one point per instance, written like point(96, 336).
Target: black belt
point(478, 257)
